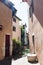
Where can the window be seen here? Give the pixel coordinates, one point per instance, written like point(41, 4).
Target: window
point(14, 28)
point(14, 19)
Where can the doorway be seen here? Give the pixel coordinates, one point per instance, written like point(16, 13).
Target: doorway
point(7, 45)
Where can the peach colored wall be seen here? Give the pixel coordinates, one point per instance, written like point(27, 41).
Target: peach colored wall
point(16, 33)
point(30, 36)
point(38, 10)
point(6, 21)
point(38, 31)
point(37, 28)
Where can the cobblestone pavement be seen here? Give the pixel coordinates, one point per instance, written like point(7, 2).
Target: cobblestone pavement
point(22, 61)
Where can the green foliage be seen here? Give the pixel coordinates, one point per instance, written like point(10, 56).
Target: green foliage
point(19, 43)
point(16, 42)
point(22, 31)
point(21, 27)
point(27, 50)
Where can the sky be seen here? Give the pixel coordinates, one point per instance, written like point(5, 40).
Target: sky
point(22, 11)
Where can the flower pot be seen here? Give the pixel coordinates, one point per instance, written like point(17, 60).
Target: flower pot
point(31, 57)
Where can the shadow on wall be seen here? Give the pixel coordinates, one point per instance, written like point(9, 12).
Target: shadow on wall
point(38, 10)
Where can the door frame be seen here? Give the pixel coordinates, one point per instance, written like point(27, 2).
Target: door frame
point(10, 41)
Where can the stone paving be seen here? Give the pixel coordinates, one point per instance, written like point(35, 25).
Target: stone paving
point(22, 61)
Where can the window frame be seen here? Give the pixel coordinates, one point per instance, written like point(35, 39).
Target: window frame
point(14, 19)
point(14, 28)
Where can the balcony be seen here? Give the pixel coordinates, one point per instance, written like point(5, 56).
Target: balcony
point(1, 27)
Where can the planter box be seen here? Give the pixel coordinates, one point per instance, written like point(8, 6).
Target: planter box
point(31, 57)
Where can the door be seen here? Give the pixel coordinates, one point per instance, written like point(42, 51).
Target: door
point(7, 45)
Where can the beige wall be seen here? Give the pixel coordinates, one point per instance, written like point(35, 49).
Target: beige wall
point(30, 35)
point(6, 21)
point(38, 31)
point(16, 33)
point(37, 28)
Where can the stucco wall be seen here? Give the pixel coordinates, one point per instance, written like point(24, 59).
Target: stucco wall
point(38, 28)
point(6, 21)
point(30, 36)
point(38, 31)
point(16, 33)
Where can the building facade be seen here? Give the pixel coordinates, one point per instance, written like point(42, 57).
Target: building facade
point(5, 21)
point(28, 1)
point(30, 27)
point(16, 34)
point(6, 14)
point(36, 29)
